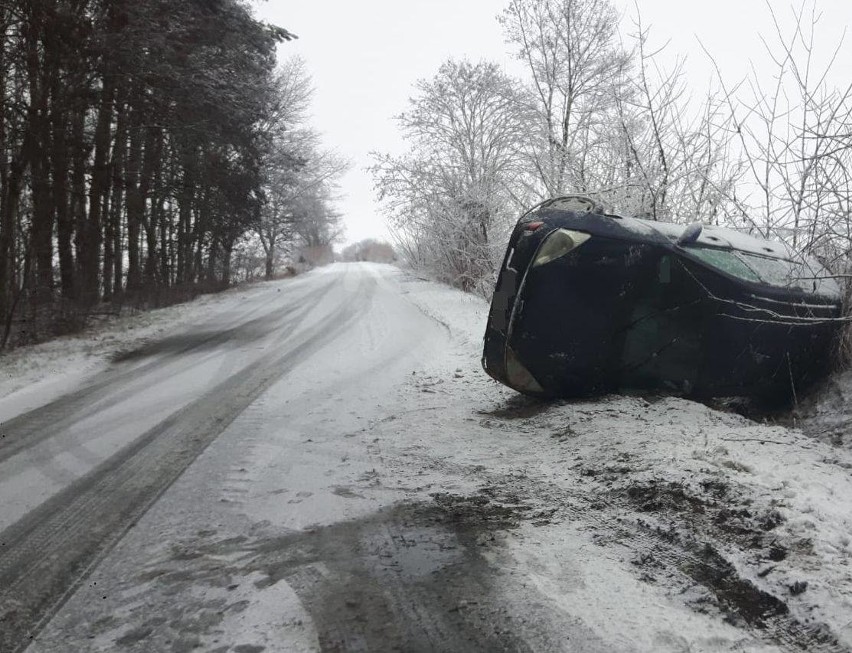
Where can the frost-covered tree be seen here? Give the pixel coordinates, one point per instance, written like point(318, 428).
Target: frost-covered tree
point(672, 151)
point(794, 139)
point(298, 210)
point(793, 136)
point(450, 191)
point(601, 111)
point(298, 171)
point(572, 52)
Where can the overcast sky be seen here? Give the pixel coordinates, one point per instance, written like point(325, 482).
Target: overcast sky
point(364, 57)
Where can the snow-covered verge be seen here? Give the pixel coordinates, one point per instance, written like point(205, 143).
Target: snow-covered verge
point(749, 520)
point(33, 375)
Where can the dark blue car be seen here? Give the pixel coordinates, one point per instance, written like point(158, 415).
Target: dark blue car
point(590, 302)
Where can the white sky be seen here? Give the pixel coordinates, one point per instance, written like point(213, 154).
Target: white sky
point(365, 56)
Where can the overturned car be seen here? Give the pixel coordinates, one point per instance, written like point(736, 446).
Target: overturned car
point(590, 302)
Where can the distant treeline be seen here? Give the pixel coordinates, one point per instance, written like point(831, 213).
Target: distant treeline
point(133, 138)
point(370, 249)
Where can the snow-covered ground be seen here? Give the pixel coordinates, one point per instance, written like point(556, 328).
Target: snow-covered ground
point(32, 376)
point(375, 490)
point(657, 483)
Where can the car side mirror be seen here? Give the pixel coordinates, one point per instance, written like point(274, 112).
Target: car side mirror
point(690, 234)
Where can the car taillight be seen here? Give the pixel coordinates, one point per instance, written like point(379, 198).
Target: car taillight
point(532, 226)
point(559, 243)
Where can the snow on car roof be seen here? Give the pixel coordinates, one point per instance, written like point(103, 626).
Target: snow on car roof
point(711, 236)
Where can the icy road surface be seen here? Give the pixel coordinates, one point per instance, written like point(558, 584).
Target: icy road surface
point(319, 464)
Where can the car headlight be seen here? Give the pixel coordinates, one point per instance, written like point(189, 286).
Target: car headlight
point(559, 243)
point(519, 377)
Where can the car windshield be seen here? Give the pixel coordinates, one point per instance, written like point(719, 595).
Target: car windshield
point(727, 261)
point(805, 275)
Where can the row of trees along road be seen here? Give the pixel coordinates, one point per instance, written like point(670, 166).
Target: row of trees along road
point(141, 142)
point(597, 110)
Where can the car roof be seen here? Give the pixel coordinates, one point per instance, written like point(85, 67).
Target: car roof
point(591, 212)
point(711, 236)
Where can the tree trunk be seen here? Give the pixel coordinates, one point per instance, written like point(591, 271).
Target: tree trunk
point(98, 194)
point(112, 218)
point(11, 195)
point(5, 229)
point(184, 245)
point(77, 207)
point(153, 151)
point(212, 260)
point(226, 263)
point(39, 126)
point(135, 202)
point(61, 200)
point(270, 260)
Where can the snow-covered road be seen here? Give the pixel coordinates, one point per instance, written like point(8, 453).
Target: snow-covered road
point(320, 464)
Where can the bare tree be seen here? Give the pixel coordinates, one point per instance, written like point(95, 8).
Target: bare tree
point(572, 52)
point(794, 141)
point(675, 153)
point(300, 194)
point(449, 191)
point(300, 175)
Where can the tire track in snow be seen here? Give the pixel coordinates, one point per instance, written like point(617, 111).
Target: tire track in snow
point(406, 578)
point(31, 428)
point(46, 555)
